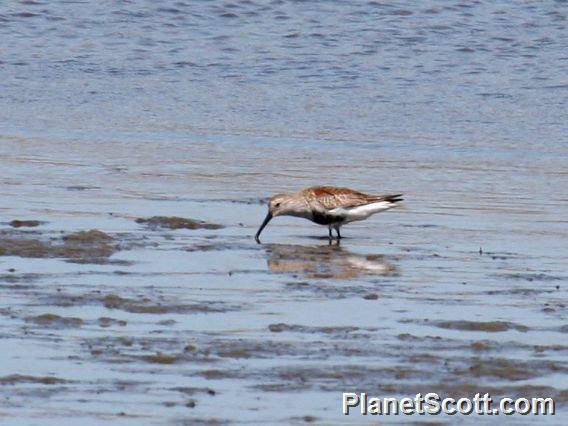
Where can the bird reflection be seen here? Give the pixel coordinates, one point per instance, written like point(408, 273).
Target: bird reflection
point(325, 261)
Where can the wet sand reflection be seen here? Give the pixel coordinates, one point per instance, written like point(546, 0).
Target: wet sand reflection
point(326, 261)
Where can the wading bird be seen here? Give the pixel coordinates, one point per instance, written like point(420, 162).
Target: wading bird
point(328, 205)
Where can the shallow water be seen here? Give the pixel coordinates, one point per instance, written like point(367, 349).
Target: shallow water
point(112, 112)
point(275, 332)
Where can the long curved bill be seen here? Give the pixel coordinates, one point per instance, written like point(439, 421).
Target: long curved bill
point(266, 220)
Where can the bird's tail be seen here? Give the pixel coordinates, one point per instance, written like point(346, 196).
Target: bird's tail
point(394, 198)
point(391, 198)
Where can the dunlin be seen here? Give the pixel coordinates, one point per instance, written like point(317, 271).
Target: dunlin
point(328, 205)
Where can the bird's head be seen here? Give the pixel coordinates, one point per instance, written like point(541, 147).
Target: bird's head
point(278, 205)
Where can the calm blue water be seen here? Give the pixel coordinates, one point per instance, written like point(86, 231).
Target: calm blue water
point(435, 72)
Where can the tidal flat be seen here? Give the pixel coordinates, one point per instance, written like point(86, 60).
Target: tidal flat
point(140, 141)
point(132, 290)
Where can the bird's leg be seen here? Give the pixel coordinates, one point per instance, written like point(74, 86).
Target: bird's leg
point(330, 234)
point(337, 230)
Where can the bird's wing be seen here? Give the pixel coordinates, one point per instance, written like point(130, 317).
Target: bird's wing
point(329, 197)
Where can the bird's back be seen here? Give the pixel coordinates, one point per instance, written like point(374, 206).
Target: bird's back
point(331, 197)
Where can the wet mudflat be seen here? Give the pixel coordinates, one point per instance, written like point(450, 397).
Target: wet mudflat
point(132, 291)
point(139, 140)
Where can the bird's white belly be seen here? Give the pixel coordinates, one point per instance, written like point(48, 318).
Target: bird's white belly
point(362, 212)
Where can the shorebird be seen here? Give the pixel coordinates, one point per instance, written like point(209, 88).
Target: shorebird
point(328, 205)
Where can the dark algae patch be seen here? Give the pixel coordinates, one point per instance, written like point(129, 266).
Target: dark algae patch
point(91, 246)
point(14, 379)
point(174, 222)
point(17, 223)
point(94, 236)
point(531, 277)
point(194, 390)
point(489, 326)
point(513, 370)
point(24, 247)
point(280, 327)
point(53, 320)
point(147, 306)
point(160, 359)
point(371, 296)
point(108, 322)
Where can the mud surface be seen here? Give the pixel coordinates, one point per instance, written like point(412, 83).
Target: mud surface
point(92, 246)
point(155, 222)
point(17, 223)
point(172, 320)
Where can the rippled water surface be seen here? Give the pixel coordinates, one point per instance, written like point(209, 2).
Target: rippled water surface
point(116, 117)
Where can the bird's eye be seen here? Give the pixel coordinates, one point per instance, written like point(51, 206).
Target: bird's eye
point(277, 205)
